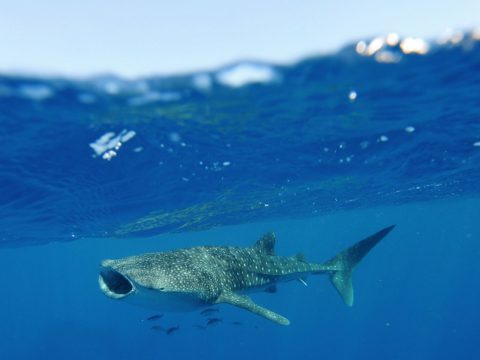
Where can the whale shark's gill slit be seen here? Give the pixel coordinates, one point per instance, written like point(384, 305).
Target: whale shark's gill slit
point(116, 282)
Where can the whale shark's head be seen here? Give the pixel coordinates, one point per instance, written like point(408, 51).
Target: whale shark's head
point(151, 280)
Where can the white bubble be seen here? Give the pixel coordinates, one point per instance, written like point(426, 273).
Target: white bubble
point(409, 129)
point(352, 96)
point(106, 137)
point(109, 155)
point(174, 137)
point(226, 163)
point(361, 47)
point(375, 45)
point(393, 39)
point(127, 136)
point(364, 144)
point(411, 45)
point(108, 141)
point(383, 138)
point(476, 143)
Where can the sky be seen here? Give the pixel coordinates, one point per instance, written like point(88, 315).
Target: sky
point(146, 37)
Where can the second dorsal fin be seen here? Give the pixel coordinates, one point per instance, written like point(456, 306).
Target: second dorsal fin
point(300, 257)
point(266, 244)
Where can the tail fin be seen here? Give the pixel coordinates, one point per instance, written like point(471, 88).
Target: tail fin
point(344, 263)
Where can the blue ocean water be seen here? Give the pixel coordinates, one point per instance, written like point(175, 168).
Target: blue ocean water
point(324, 152)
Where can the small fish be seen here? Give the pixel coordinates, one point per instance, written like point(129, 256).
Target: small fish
point(213, 321)
point(201, 327)
point(154, 317)
point(172, 329)
point(157, 328)
point(238, 323)
point(209, 311)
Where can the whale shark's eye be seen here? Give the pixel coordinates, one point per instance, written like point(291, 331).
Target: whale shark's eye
point(161, 289)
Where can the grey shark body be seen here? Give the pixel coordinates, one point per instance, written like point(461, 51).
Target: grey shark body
point(189, 279)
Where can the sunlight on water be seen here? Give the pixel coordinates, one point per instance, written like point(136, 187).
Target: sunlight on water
point(414, 46)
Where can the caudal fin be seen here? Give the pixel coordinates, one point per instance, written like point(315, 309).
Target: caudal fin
point(343, 264)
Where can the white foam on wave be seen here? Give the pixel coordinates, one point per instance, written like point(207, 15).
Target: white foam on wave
point(36, 92)
point(202, 82)
point(154, 96)
point(86, 98)
point(245, 74)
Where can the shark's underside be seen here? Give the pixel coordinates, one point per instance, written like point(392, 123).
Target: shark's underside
point(187, 279)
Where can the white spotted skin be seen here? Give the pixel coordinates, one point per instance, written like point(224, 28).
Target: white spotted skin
point(196, 277)
point(189, 279)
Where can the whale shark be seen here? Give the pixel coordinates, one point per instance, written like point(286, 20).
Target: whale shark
point(198, 277)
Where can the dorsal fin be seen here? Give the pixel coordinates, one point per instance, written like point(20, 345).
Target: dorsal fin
point(266, 244)
point(301, 257)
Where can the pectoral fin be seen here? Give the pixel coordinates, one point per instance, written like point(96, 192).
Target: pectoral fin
point(246, 303)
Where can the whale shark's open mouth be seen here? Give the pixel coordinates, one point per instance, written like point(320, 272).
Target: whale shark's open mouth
point(114, 284)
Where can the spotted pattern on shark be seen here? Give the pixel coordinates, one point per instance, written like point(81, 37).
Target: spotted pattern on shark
point(204, 275)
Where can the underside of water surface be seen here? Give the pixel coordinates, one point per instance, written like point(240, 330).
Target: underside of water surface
point(382, 122)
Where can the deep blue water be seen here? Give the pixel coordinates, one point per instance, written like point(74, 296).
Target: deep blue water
point(324, 152)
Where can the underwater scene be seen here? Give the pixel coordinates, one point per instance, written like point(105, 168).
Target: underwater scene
point(242, 184)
